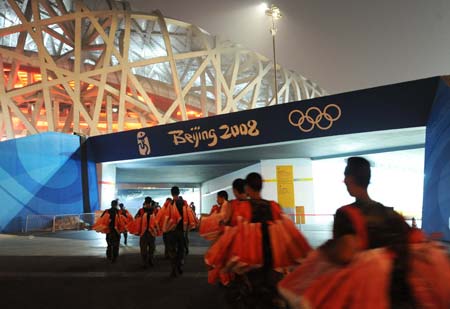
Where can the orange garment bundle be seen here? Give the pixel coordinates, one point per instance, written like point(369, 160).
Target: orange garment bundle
point(121, 223)
point(168, 217)
point(246, 251)
point(429, 276)
point(189, 220)
point(289, 246)
point(210, 226)
point(101, 225)
point(319, 283)
point(128, 217)
point(139, 226)
point(238, 250)
point(218, 253)
point(215, 275)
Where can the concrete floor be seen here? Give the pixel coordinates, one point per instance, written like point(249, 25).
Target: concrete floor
point(69, 270)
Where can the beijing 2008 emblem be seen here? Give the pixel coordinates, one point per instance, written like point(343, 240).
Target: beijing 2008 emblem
point(143, 144)
point(314, 117)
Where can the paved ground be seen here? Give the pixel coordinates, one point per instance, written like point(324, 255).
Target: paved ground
point(69, 270)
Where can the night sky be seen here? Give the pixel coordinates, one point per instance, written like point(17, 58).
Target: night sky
point(341, 45)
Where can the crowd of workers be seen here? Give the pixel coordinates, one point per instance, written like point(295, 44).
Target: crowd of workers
point(172, 221)
point(373, 260)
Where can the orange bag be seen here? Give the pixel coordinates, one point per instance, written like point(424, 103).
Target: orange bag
point(298, 245)
point(101, 225)
point(134, 227)
point(210, 227)
point(217, 254)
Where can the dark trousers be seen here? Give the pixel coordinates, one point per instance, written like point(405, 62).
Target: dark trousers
point(176, 242)
point(113, 241)
point(166, 246)
point(147, 245)
point(125, 237)
point(255, 289)
point(186, 242)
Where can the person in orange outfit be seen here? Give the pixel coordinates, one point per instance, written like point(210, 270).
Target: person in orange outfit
point(238, 186)
point(257, 288)
point(124, 212)
point(146, 240)
point(224, 206)
point(166, 246)
point(175, 237)
point(215, 209)
point(113, 235)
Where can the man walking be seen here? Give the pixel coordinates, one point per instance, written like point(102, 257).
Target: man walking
point(147, 239)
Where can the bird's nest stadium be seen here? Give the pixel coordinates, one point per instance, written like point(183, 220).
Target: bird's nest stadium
point(97, 67)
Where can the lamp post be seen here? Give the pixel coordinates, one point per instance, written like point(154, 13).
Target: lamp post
point(274, 13)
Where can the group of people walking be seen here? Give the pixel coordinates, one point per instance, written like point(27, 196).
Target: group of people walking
point(172, 221)
point(373, 260)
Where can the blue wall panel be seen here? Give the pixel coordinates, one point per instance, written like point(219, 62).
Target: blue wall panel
point(93, 187)
point(39, 174)
point(436, 202)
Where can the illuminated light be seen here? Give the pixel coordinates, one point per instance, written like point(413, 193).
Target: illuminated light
point(42, 123)
point(37, 77)
point(263, 7)
point(133, 126)
point(115, 109)
point(274, 12)
point(15, 120)
point(191, 113)
point(23, 77)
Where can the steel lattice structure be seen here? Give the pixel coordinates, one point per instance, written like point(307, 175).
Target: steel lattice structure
point(97, 67)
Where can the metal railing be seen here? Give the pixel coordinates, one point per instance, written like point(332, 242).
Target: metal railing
point(53, 223)
point(312, 225)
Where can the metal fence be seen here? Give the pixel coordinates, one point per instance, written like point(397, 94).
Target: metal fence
point(317, 228)
point(53, 223)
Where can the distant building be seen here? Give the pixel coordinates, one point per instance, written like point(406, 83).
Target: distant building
point(96, 67)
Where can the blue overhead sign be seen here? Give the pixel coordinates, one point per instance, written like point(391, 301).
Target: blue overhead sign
point(403, 105)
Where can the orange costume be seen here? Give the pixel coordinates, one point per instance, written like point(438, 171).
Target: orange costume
point(144, 222)
point(169, 216)
point(243, 246)
point(102, 223)
point(214, 209)
point(366, 281)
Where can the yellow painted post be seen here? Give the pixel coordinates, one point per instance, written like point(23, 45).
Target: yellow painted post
point(285, 185)
point(300, 215)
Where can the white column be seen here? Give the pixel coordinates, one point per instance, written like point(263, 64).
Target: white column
point(107, 184)
point(303, 183)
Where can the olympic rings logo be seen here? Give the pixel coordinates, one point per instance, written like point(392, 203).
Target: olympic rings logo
point(313, 117)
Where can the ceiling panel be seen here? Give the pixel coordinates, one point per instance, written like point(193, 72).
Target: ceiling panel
point(198, 167)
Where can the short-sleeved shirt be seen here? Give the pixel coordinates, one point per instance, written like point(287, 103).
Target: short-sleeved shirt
point(377, 216)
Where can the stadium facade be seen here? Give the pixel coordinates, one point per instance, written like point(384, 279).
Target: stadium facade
point(96, 67)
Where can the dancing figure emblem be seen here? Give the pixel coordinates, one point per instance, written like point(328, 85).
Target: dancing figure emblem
point(143, 144)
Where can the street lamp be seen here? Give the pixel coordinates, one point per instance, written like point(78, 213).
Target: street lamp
point(274, 13)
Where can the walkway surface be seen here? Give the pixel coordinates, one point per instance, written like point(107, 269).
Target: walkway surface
point(69, 270)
